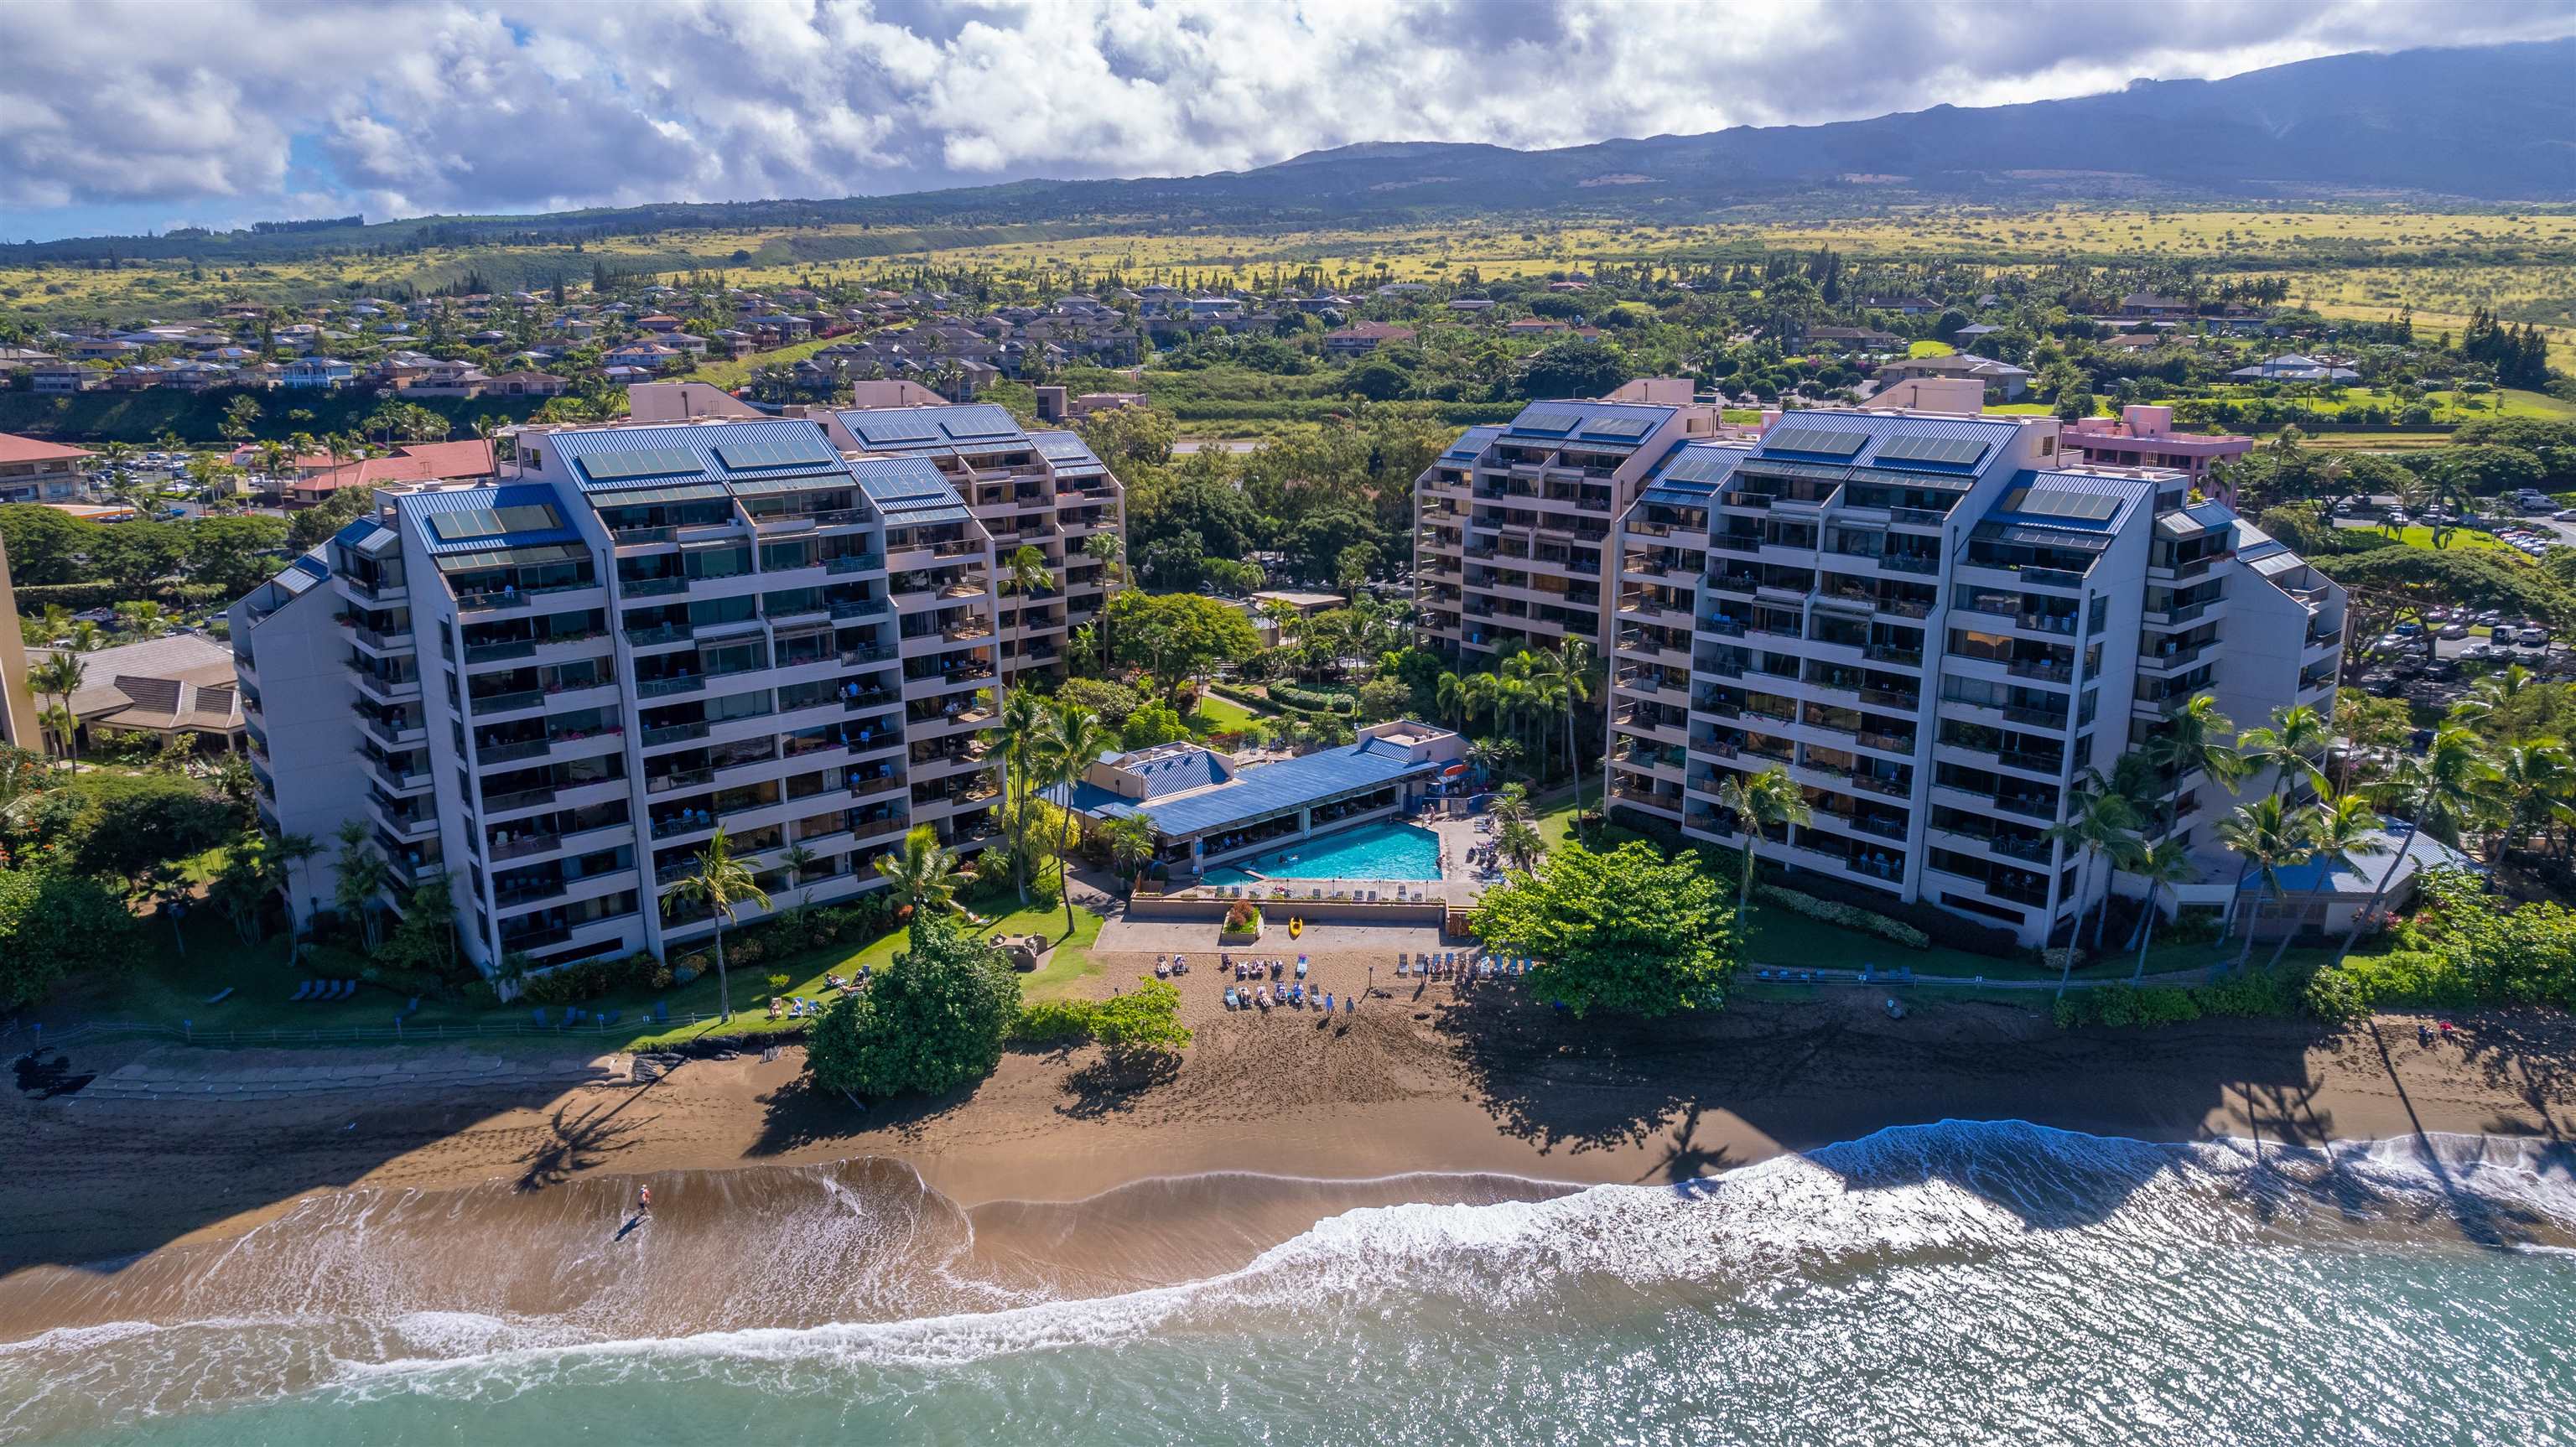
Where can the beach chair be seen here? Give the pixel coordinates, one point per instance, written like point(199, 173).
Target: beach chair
point(303, 991)
point(1229, 997)
point(539, 1015)
point(661, 1012)
point(610, 1018)
point(413, 1006)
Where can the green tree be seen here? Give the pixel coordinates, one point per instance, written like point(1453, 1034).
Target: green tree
point(359, 871)
point(931, 1021)
point(2102, 825)
point(2441, 789)
point(45, 545)
point(1582, 367)
point(1180, 635)
point(1759, 802)
point(2269, 837)
point(1023, 733)
point(59, 677)
point(925, 876)
point(2339, 829)
point(1076, 740)
point(235, 554)
point(55, 923)
point(1131, 842)
point(2163, 865)
point(1141, 1026)
point(1625, 930)
point(125, 823)
point(721, 884)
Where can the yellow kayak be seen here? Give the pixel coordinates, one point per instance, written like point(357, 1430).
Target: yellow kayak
point(1296, 927)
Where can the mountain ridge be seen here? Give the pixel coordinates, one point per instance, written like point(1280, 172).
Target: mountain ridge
point(2482, 124)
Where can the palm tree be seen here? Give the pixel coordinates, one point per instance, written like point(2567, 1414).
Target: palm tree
point(796, 859)
point(1759, 801)
point(1486, 755)
point(360, 872)
point(2443, 786)
point(2340, 826)
point(2529, 791)
point(2269, 837)
point(58, 678)
point(1449, 696)
point(2101, 824)
point(2163, 864)
point(1520, 844)
point(1078, 738)
point(1025, 572)
point(1511, 805)
point(1024, 734)
point(925, 875)
point(1130, 838)
point(722, 884)
point(2492, 693)
point(2194, 736)
point(1566, 675)
point(290, 851)
point(2291, 746)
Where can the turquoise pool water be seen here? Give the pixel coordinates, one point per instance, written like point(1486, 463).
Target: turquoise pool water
point(1377, 851)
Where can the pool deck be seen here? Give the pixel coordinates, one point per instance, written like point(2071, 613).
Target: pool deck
point(1456, 886)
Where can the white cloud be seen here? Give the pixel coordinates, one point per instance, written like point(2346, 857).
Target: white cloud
point(513, 105)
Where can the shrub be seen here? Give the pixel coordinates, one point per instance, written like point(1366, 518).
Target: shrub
point(778, 984)
point(1051, 1023)
point(2336, 997)
point(1142, 1023)
point(1244, 917)
point(744, 951)
point(1848, 916)
point(933, 1020)
point(1946, 929)
point(54, 923)
point(1313, 700)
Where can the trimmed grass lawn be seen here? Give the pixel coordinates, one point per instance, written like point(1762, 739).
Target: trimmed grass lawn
point(170, 987)
point(1218, 715)
point(2422, 537)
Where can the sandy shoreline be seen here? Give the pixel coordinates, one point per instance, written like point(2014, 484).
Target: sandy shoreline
point(1419, 1081)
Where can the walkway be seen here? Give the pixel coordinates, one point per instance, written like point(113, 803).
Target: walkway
point(190, 1083)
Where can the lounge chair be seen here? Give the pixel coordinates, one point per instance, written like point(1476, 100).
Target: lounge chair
point(661, 1012)
point(539, 1014)
point(413, 1008)
point(610, 1018)
point(304, 991)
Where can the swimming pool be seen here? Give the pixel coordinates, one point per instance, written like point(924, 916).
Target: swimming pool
point(1376, 851)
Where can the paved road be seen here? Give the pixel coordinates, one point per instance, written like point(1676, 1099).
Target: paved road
point(1236, 445)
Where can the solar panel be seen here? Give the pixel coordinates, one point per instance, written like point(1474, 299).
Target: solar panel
point(642, 462)
point(1822, 441)
point(484, 522)
point(897, 429)
point(1546, 422)
point(1619, 427)
point(1946, 451)
point(1698, 466)
point(968, 422)
point(2087, 506)
point(785, 448)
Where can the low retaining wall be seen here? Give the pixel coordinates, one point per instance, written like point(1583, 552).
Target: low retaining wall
point(1275, 913)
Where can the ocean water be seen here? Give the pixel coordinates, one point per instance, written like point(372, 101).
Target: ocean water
point(1374, 851)
point(1955, 1283)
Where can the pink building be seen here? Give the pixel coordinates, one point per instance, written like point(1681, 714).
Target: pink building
point(2144, 437)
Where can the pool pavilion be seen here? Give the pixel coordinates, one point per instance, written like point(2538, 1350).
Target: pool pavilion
point(1207, 810)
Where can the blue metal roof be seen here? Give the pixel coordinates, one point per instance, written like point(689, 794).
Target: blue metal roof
point(1471, 444)
point(1071, 456)
point(1613, 423)
point(1699, 469)
point(2080, 501)
point(907, 429)
point(424, 505)
point(2361, 874)
point(1881, 428)
point(1266, 789)
point(355, 533)
point(692, 447)
point(1182, 770)
point(908, 490)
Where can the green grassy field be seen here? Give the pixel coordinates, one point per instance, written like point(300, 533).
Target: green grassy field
point(167, 987)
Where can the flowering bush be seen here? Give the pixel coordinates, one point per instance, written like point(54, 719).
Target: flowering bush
point(1846, 915)
point(1244, 918)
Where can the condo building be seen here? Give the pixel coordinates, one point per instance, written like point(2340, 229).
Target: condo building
point(549, 689)
point(1512, 523)
point(1936, 625)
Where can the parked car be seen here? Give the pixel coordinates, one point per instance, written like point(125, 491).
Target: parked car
point(2454, 629)
point(2532, 636)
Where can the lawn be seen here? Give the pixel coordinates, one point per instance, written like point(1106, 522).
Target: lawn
point(730, 373)
point(2422, 537)
point(168, 987)
point(1219, 715)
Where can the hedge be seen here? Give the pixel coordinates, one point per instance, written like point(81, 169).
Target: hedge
point(1944, 928)
point(2254, 993)
point(1313, 700)
point(1052, 1023)
point(1847, 915)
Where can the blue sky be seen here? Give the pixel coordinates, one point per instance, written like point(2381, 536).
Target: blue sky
point(140, 115)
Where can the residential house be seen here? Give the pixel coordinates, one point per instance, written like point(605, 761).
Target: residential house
point(1361, 338)
point(34, 470)
point(318, 373)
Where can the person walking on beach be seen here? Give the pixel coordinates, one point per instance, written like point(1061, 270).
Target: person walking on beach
point(643, 1200)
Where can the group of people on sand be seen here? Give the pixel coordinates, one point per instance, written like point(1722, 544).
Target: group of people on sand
point(1291, 995)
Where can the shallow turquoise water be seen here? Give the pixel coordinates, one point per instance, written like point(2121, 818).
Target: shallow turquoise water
point(1961, 1283)
point(1375, 851)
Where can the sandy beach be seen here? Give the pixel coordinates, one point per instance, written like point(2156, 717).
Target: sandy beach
point(1432, 1078)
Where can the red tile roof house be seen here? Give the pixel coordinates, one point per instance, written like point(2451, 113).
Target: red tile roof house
point(417, 462)
point(1361, 338)
point(32, 470)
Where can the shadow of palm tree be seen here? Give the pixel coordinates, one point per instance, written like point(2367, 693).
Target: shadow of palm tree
point(577, 1142)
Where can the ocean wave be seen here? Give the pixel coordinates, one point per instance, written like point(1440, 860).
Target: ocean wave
point(1948, 1201)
